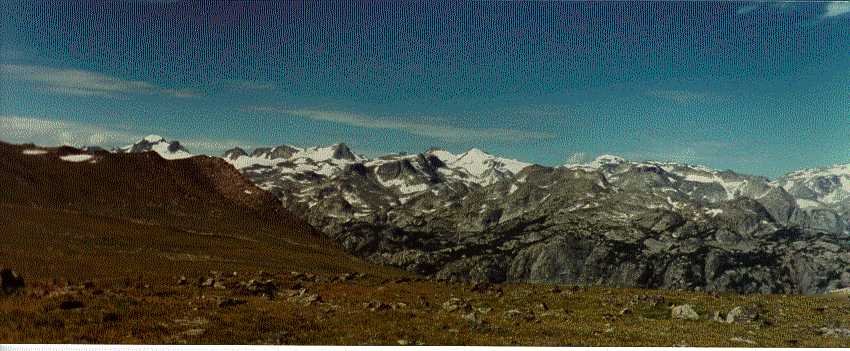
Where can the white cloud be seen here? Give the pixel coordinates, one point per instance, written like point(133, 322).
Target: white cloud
point(837, 8)
point(53, 132)
point(439, 131)
point(18, 129)
point(85, 83)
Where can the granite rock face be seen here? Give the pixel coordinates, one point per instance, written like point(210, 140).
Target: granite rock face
point(611, 222)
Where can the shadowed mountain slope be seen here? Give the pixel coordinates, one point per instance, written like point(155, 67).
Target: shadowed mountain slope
point(71, 214)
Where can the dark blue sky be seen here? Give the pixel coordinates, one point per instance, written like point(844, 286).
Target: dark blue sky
point(757, 87)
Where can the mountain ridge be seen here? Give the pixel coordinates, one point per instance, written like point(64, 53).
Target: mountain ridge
point(611, 221)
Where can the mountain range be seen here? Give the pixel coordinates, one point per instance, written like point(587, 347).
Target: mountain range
point(611, 221)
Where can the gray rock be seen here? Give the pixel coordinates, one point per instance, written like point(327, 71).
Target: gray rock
point(835, 332)
point(10, 281)
point(741, 315)
point(229, 302)
point(684, 312)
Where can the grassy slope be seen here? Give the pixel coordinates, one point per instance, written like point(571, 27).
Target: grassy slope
point(585, 317)
point(126, 216)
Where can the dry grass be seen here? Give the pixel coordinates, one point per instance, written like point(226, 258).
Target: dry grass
point(588, 317)
point(64, 245)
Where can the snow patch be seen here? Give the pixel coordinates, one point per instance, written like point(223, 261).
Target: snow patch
point(76, 158)
point(714, 212)
point(808, 204)
point(153, 138)
point(32, 152)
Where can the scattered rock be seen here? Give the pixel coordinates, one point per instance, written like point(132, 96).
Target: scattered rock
point(472, 317)
point(10, 281)
point(206, 283)
point(741, 315)
point(835, 332)
point(110, 317)
point(512, 314)
point(193, 332)
point(718, 317)
point(684, 312)
point(278, 338)
point(293, 292)
point(484, 310)
point(192, 322)
point(376, 306)
point(345, 277)
point(649, 300)
point(480, 287)
point(519, 315)
point(265, 287)
point(742, 340)
point(306, 299)
point(542, 306)
point(71, 304)
point(182, 280)
point(625, 311)
point(303, 277)
point(455, 304)
point(229, 301)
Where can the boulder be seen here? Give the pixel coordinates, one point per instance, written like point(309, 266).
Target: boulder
point(741, 315)
point(685, 312)
point(10, 281)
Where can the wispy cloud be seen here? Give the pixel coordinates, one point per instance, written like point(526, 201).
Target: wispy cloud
point(830, 8)
point(86, 83)
point(837, 8)
point(682, 96)
point(438, 131)
point(250, 85)
point(743, 10)
point(182, 92)
point(22, 129)
point(53, 132)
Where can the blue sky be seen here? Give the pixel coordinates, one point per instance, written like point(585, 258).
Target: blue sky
point(761, 88)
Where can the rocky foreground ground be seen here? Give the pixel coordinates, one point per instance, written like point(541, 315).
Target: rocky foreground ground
point(356, 309)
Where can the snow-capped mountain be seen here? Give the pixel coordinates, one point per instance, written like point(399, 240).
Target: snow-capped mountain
point(155, 143)
point(480, 167)
point(476, 216)
point(819, 187)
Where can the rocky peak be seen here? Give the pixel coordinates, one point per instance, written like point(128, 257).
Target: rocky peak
point(155, 143)
point(260, 151)
point(282, 151)
point(342, 152)
point(234, 153)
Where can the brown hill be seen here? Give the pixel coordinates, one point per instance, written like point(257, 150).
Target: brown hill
point(109, 216)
